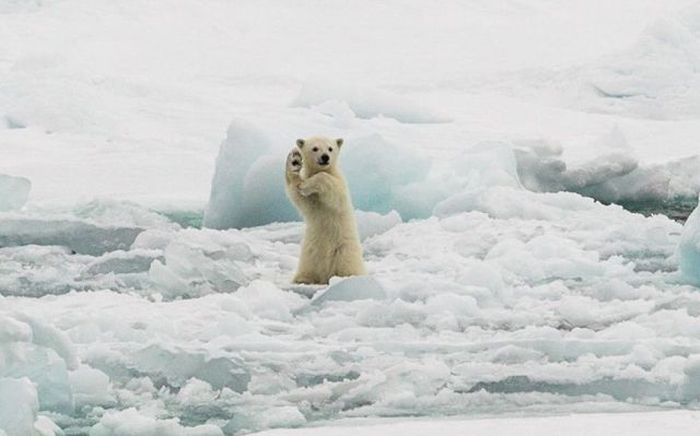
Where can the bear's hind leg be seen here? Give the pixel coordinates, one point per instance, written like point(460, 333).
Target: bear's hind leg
point(348, 262)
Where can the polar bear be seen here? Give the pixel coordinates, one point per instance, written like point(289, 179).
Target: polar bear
point(316, 186)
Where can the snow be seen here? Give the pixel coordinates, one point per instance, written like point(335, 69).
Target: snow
point(665, 61)
point(365, 103)
point(480, 138)
point(148, 117)
point(623, 424)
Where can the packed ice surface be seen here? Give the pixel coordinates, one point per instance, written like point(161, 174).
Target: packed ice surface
point(14, 192)
point(506, 300)
point(689, 248)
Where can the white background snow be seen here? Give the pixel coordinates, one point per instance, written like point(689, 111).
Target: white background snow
point(479, 138)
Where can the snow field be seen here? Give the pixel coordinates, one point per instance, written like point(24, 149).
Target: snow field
point(126, 90)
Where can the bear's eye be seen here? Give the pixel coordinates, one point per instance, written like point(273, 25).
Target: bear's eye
point(315, 149)
point(330, 148)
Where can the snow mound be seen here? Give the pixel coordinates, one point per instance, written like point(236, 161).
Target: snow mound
point(367, 103)
point(14, 192)
point(689, 248)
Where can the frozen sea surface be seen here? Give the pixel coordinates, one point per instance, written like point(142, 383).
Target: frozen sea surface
point(507, 301)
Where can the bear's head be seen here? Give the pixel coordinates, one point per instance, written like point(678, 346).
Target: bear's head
point(319, 154)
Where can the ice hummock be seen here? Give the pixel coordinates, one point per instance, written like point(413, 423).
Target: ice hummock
point(383, 175)
point(689, 248)
point(248, 185)
point(18, 406)
point(36, 358)
point(398, 169)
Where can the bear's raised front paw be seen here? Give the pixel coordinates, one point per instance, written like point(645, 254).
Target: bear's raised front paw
point(294, 161)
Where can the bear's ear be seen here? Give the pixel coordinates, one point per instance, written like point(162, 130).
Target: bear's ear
point(300, 143)
point(339, 141)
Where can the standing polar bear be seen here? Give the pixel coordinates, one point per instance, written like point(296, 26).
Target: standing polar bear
point(316, 186)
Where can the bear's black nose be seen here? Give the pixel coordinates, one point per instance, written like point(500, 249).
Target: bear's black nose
point(325, 158)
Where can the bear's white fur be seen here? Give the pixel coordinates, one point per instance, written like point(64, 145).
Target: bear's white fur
point(316, 186)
